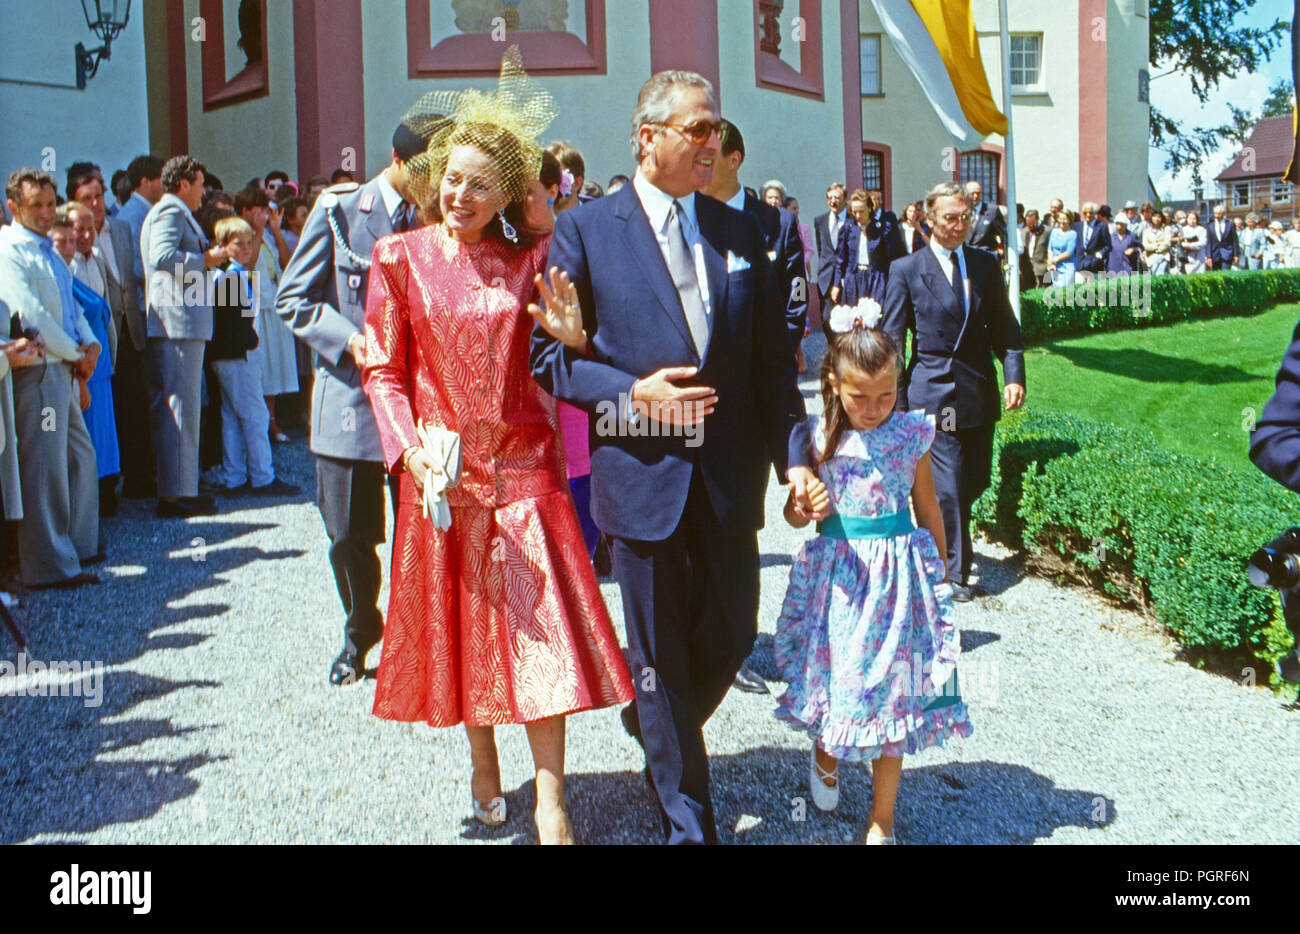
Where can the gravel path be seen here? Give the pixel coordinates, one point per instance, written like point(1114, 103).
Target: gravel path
point(217, 724)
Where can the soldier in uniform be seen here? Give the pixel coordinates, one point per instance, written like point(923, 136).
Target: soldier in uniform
point(322, 297)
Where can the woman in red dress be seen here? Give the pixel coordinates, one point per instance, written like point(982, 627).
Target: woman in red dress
point(499, 618)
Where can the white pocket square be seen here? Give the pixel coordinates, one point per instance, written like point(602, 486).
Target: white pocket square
point(736, 263)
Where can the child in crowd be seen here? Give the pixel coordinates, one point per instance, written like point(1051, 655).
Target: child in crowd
point(866, 639)
point(246, 446)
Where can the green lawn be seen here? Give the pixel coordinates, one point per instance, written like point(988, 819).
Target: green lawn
point(1187, 383)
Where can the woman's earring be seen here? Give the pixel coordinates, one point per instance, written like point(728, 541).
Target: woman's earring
point(550, 202)
point(507, 228)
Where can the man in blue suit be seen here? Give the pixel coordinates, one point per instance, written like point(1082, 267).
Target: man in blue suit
point(680, 312)
point(1092, 248)
point(826, 231)
point(952, 297)
point(1221, 241)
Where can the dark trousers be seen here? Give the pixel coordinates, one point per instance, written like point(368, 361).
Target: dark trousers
point(690, 605)
point(350, 495)
point(131, 412)
point(961, 461)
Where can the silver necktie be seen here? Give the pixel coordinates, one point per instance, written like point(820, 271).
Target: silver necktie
point(681, 265)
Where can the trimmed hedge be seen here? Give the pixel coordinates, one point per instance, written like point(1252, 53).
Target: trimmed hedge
point(1143, 524)
point(1112, 305)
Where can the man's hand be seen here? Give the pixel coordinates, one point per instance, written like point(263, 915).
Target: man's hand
point(83, 398)
point(357, 347)
point(562, 316)
point(215, 256)
point(89, 360)
point(811, 498)
point(670, 405)
point(22, 352)
point(1014, 395)
point(274, 218)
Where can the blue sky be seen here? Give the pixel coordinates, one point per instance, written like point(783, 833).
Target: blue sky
point(1172, 94)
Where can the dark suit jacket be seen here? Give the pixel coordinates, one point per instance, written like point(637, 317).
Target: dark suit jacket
point(1275, 442)
point(888, 221)
point(785, 250)
point(988, 230)
point(825, 250)
point(1093, 255)
point(1033, 257)
point(951, 365)
point(883, 241)
point(1223, 252)
point(634, 321)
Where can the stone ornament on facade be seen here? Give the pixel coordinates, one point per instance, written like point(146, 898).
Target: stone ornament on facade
point(481, 16)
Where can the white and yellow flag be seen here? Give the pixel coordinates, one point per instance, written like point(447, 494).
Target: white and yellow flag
point(937, 40)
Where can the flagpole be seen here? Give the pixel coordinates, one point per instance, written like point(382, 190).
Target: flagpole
point(1013, 232)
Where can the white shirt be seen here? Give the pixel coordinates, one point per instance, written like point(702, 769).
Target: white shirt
point(833, 225)
point(88, 273)
point(657, 204)
point(944, 256)
point(737, 200)
point(30, 290)
point(908, 230)
point(391, 198)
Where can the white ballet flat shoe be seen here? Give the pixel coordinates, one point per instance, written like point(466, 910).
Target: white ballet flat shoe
point(494, 815)
point(826, 797)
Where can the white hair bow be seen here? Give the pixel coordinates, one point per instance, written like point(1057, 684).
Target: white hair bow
point(865, 314)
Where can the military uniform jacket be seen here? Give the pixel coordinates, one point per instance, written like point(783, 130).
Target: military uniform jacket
point(322, 297)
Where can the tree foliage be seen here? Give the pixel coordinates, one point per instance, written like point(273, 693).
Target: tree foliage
point(1198, 39)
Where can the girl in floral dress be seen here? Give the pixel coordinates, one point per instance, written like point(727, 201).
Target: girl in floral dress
point(866, 640)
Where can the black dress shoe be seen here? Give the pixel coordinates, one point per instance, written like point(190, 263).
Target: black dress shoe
point(276, 487)
point(85, 577)
point(185, 508)
point(749, 682)
point(965, 593)
point(347, 670)
point(140, 490)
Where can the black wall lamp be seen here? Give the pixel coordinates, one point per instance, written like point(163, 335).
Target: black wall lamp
point(106, 19)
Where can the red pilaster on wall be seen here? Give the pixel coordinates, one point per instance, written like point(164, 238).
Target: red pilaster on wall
point(1092, 100)
point(330, 91)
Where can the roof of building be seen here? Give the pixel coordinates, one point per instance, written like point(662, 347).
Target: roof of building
point(1267, 151)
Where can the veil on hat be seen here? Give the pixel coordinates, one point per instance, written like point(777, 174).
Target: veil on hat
point(517, 112)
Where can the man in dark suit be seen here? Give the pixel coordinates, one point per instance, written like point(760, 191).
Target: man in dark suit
point(1221, 241)
point(679, 311)
point(988, 228)
point(888, 220)
point(1092, 249)
point(1033, 252)
point(953, 299)
point(784, 249)
point(322, 297)
point(826, 231)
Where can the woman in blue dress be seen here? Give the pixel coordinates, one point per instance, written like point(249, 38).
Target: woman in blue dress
point(1060, 250)
point(863, 252)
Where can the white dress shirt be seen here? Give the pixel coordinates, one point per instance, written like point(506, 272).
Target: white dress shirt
point(657, 204)
point(833, 225)
point(945, 257)
point(87, 271)
point(389, 194)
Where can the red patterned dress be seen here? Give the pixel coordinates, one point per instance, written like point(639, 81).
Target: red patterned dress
point(499, 619)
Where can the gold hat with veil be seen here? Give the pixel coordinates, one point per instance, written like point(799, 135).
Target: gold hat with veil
point(504, 123)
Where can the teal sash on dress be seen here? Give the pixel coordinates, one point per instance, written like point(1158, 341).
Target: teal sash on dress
point(886, 525)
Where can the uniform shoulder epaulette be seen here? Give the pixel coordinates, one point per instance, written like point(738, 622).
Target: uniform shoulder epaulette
point(344, 187)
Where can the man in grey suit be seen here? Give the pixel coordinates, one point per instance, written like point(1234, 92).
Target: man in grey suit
point(178, 304)
point(322, 297)
point(59, 532)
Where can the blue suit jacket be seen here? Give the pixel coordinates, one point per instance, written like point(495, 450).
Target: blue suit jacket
point(1275, 443)
point(951, 367)
point(1223, 252)
point(1086, 258)
point(785, 250)
point(635, 324)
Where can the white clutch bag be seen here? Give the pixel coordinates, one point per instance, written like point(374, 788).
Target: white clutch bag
point(442, 447)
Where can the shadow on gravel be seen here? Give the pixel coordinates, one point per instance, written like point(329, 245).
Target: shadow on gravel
point(775, 560)
point(61, 765)
point(972, 639)
point(761, 797)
